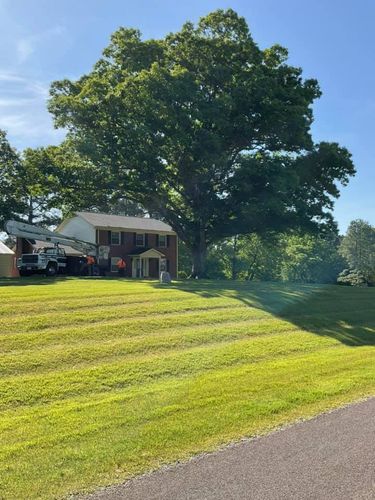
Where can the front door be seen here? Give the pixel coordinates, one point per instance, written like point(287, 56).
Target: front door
point(140, 268)
point(135, 267)
point(153, 268)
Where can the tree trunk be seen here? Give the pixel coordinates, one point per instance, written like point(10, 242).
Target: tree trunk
point(250, 275)
point(252, 268)
point(234, 258)
point(199, 256)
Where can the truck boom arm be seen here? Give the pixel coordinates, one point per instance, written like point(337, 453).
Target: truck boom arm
point(28, 231)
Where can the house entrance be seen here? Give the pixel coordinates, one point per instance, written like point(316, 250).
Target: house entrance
point(148, 264)
point(140, 267)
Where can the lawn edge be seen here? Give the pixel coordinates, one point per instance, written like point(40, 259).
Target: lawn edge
point(90, 493)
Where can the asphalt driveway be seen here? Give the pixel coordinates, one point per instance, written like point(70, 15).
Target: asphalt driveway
point(329, 457)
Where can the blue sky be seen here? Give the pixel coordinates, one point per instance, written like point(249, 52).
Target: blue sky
point(333, 41)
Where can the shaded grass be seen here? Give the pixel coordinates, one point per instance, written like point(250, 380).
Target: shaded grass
point(103, 379)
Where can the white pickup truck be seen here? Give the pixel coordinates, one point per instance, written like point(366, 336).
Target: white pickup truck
point(47, 260)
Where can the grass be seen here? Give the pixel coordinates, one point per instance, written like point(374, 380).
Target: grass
point(103, 379)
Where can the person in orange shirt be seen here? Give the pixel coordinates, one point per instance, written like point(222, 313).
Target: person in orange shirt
point(121, 266)
point(90, 261)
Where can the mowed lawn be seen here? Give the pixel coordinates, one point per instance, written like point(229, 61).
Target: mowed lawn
point(102, 379)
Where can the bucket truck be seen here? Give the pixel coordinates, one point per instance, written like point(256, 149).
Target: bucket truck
point(51, 259)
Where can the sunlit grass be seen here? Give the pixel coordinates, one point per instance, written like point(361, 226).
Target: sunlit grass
point(103, 379)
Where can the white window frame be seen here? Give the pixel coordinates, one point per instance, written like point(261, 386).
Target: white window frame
point(119, 238)
point(114, 261)
point(143, 239)
point(165, 241)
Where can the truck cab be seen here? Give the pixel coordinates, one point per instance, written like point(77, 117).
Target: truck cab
point(46, 260)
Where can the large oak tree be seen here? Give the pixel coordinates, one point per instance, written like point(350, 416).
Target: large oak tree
point(205, 129)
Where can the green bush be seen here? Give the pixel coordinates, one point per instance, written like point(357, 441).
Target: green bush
point(352, 277)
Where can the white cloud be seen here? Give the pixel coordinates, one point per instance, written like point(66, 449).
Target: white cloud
point(24, 49)
point(9, 103)
point(26, 46)
point(24, 53)
point(24, 115)
point(5, 76)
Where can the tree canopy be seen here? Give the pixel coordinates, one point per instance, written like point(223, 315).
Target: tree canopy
point(291, 257)
point(206, 130)
point(42, 185)
point(28, 184)
point(358, 248)
point(9, 191)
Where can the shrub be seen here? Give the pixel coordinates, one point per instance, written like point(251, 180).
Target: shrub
point(352, 277)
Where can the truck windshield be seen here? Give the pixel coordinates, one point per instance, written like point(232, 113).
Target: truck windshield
point(46, 250)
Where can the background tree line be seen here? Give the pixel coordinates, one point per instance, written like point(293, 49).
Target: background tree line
point(294, 257)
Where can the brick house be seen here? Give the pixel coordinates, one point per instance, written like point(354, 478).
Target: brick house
point(147, 245)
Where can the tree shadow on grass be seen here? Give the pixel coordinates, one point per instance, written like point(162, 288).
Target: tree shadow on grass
point(39, 280)
point(344, 313)
point(43, 280)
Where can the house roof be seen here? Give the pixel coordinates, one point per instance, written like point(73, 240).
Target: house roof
point(125, 222)
point(146, 252)
point(5, 250)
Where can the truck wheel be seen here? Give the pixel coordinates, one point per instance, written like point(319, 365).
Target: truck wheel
point(51, 270)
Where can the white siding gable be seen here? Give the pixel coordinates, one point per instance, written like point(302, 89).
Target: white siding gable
point(79, 228)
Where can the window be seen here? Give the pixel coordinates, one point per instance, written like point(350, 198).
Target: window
point(140, 240)
point(114, 261)
point(162, 240)
point(115, 238)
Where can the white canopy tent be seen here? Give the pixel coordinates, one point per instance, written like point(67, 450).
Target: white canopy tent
point(8, 267)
